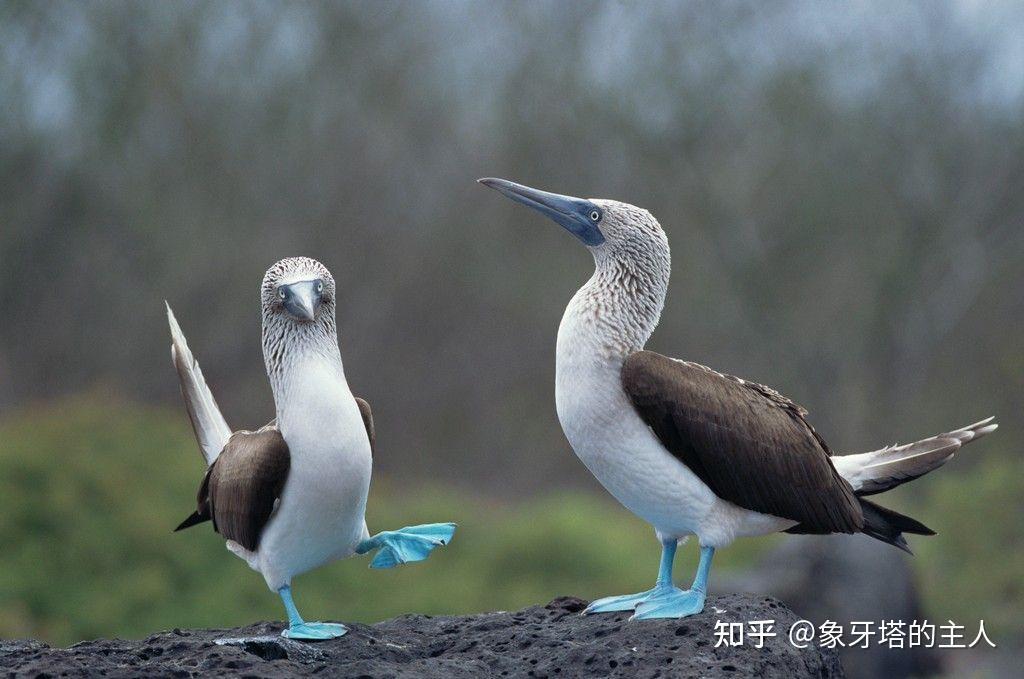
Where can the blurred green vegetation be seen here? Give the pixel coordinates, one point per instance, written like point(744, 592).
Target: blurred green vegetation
point(975, 572)
point(90, 490)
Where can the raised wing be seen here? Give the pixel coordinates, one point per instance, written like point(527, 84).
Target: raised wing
point(241, 489)
point(212, 431)
point(748, 443)
point(367, 414)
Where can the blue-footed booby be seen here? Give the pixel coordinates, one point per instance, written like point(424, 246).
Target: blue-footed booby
point(291, 496)
point(690, 450)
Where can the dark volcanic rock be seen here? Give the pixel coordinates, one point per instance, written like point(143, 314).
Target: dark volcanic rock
point(540, 641)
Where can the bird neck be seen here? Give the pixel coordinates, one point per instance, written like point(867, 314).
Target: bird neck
point(290, 350)
point(616, 311)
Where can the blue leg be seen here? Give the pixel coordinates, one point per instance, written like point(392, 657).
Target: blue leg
point(412, 543)
point(679, 604)
point(662, 588)
point(309, 631)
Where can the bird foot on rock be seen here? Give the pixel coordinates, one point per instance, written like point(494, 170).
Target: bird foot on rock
point(629, 602)
point(677, 604)
point(314, 631)
point(663, 601)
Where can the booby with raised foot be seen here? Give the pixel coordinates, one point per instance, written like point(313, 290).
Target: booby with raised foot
point(690, 450)
point(291, 496)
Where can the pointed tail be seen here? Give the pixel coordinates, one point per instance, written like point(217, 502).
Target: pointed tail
point(882, 470)
point(194, 518)
point(212, 432)
point(889, 526)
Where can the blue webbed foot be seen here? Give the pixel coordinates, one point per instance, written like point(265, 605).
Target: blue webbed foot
point(665, 600)
point(314, 631)
point(676, 604)
point(405, 545)
point(628, 602)
point(306, 631)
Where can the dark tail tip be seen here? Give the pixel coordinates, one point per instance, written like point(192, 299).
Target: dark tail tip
point(192, 520)
point(888, 526)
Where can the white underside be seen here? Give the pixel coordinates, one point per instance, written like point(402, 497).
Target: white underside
point(629, 460)
point(321, 514)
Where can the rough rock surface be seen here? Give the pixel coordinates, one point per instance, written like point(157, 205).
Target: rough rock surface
point(540, 641)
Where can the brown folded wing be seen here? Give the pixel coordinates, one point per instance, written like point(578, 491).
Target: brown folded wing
point(241, 488)
point(367, 415)
point(748, 443)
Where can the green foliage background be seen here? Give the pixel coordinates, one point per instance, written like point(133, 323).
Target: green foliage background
point(91, 487)
point(91, 490)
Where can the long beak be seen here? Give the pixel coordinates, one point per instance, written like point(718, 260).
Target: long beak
point(551, 204)
point(573, 214)
point(302, 299)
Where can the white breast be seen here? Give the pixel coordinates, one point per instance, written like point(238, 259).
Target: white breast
point(321, 515)
point(625, 455)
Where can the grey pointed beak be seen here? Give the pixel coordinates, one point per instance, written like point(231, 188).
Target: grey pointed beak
point(301, 299)
point(578, 216)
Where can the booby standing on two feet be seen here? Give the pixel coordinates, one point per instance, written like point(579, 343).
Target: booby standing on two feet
point(688, 449)
point(292, 495)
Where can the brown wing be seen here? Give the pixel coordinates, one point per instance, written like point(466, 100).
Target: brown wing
point(364, 410)
point(243, 484)
point(748, 443)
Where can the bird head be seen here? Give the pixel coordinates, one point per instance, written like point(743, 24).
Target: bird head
point(610, 229)
point(298, 290)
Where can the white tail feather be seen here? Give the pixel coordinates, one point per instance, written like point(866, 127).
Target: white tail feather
point(884, 469)
point(212, 431)
point(251, 558)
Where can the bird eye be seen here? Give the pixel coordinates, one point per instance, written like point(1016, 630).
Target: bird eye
point(595, 216)
point(282, 293)
point(319, 286)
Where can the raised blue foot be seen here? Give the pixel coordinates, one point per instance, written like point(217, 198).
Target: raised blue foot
point(299, 629)
point(412, 543)
point(664, 600)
